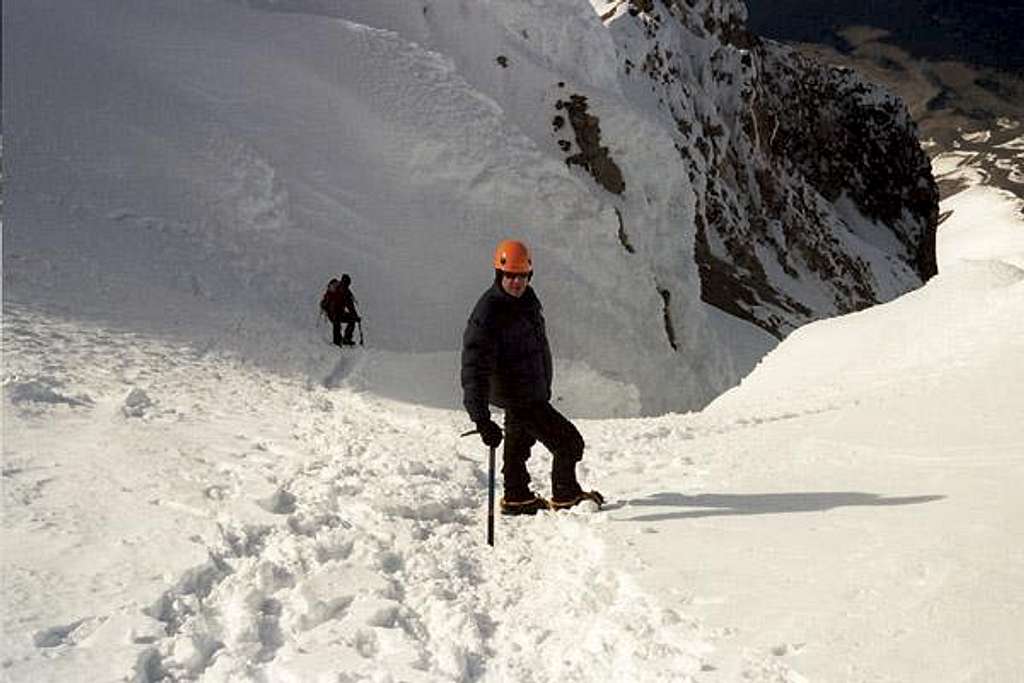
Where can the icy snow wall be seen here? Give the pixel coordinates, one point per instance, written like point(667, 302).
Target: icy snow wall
point(202, 168)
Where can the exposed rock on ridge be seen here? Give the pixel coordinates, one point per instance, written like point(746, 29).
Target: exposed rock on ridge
point(813, 195)
point(592, 157)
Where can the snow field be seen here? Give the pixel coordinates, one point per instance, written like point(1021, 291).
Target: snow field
point(196, 487)
point(178, 514)
point(253, 527)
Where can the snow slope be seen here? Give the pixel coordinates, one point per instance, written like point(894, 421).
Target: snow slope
point(238, 158)
point(175, 513)
point(201, 169)
point(863, 491)
point(196, 487)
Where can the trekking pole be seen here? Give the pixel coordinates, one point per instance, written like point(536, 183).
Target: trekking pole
point(359, 324)
point(490, 491)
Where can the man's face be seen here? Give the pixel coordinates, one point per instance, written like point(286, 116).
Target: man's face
point(515, 283)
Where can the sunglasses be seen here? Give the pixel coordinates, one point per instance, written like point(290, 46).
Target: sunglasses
point(517, 276)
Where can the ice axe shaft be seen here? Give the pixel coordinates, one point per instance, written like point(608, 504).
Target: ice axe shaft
point(490, 489)
point(490, 498)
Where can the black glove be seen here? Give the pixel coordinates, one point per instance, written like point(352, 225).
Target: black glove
point(490, 432)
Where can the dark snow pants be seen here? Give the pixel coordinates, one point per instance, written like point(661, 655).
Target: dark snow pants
point(350, 326)
point(525, 426)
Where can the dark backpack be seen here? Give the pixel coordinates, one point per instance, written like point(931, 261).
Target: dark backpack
point(332, 286)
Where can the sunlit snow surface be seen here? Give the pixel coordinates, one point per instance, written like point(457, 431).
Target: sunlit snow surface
point(848, 512)
point(201, 169)
point(178, 509)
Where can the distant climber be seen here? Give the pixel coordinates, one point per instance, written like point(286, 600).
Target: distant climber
point(339, 306)
point(506, 361)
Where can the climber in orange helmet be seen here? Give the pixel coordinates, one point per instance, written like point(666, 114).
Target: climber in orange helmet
point(506, 362)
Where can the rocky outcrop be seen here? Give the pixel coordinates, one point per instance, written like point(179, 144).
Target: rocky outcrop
point(813, 195)
point(846, 136)
point(592, 157)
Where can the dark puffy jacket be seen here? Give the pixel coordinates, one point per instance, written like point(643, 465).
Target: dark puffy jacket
point(339, 304)
point(506, 359)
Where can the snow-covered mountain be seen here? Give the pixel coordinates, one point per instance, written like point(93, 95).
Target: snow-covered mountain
point(204, 168)
point(196, 487)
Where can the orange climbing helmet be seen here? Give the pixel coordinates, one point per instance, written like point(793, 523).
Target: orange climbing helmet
point(512, 256)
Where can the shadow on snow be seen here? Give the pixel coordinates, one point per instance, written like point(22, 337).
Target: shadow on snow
point(715, 505)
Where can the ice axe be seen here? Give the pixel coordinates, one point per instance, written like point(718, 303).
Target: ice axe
point(490, 490)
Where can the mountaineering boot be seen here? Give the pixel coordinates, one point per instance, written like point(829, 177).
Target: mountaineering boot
point(566, 491)
point(522, 504)
point(566, 501)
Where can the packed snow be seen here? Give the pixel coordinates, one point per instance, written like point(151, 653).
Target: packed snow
point(197, 486)
point(172, 513)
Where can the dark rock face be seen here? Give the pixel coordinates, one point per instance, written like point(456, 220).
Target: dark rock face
point(813, 195)
point(592, 157)
point(845, 135)
point(817, 136)
point(821, 135)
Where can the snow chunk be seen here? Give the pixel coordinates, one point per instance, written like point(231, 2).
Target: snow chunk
point(281, 502)
point(137, 403)
point(41, 391)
